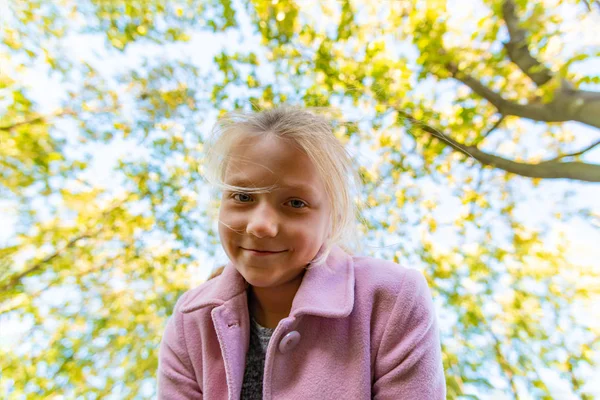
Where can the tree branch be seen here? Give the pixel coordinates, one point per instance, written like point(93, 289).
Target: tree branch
point(489, 131)
point(505, 107)
point(14, 301)
point(545, 169)
point(503, 362)
point(518, 50)
point(35, 120)
point(25, 122)
point(549, 169)
point(590, 3)
point(46, 118)
point(17, 278)
point(578, 153)
point(568, 104)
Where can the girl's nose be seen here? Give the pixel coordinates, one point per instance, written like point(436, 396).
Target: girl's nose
point(262, 223)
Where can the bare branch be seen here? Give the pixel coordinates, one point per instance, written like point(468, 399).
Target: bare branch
point(518, 50)
point(549, 169)
point(578, 153)
point(490, 131)
point(545, 169)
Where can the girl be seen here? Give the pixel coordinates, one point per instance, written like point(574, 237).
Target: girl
point(294, 315)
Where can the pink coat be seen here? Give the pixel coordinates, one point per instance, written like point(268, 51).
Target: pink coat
point(362, 328)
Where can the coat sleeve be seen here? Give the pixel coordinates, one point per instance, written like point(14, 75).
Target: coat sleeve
point(408, 364)
point(176, 378)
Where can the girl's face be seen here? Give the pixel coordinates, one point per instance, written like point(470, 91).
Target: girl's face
point(271, 237)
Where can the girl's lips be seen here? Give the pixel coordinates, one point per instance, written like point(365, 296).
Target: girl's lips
point(262, 253)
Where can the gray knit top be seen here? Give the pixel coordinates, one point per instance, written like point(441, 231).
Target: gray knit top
point(255, 361)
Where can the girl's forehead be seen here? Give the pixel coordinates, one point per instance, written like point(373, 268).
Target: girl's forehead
point(277, 166)
point(259, 143)
point(270, 161)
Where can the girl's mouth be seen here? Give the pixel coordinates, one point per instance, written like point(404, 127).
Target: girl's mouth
point(262, 252)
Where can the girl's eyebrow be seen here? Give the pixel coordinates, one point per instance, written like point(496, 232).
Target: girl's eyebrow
point(298, 186)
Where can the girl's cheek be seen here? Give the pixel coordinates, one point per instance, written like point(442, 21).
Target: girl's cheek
point(231, 216)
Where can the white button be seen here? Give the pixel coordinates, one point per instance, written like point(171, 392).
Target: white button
point(289, 341)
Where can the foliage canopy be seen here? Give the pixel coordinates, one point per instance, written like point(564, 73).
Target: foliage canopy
point(461, 118)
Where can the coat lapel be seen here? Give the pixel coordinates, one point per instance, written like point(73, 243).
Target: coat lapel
point(327, 290)
point(232, 326)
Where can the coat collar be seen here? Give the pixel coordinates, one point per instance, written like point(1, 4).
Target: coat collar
point(326, 290)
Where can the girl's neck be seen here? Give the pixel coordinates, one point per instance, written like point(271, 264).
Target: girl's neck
point(270, 305)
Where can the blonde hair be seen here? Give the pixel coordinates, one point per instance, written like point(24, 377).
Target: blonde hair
point(313, 134)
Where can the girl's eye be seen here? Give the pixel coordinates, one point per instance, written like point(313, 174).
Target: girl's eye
point(297, 203)
point(241, 197)
point(246, 198)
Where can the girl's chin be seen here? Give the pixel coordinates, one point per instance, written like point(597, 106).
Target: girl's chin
point(260, 282)
point(264, 277)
